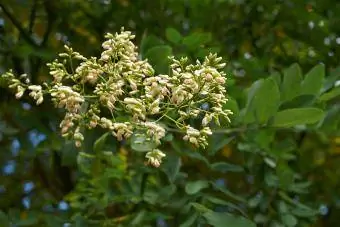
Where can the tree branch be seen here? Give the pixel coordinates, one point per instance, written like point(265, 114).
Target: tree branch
point(17, 24)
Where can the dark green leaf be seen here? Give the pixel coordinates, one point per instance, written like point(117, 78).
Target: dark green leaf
point(224, 219)
point(299, 101)
point(158, 58)
point(335, 92)
point(4, 220)
point(171, 166)
point(195, 40)
point(304, 213)
point(85, 161)
point(313, 81)
point(218, 142)
point(263, 101)
point(289, 220)
point(229, 193)
point(173, 35)
point(190, 221)
point(149, 41)
point(195, 186)
point(200, 208)
point(292, 78)
point(226, 167)
point(297, 116)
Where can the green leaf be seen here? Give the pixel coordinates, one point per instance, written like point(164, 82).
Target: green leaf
point(292, 78)
point(190, 221)
point(289, 220)
point(277, 78)
point(149, 41)
point(141, 143)
point(196, 39)
point(158, 58)
point(313, 81)
point(195, 186)
point(298, 102)
point(100, 143)
point(285, 175)
point(139, 218)
point(31, 219)
point(4, 220)
point(218, 142)
point(173, 35)
point(263, 101)
point(53, 221)
point(304, 213)
point(171, 166)
point(228, 193)
point(297, 116)
point(224, 219)
point(84, 161)
point(200, 208)
point(219, 201)
point(335, 92)
point(226, 167)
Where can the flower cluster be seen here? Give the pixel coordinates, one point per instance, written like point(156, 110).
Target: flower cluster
point(121, 93)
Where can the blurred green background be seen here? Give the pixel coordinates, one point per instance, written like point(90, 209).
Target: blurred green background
point(273, 177)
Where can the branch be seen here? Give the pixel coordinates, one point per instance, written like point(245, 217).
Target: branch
point(32, 16)
point(17, 24)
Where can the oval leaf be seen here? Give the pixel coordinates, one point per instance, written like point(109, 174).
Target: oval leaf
point(297, 116)
point(196, 186)
point(224, 219)
point(226, 167)
point(158, 57)
point(292, 78)
point(313, 81)
point(173, 35)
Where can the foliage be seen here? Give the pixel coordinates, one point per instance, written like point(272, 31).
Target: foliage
point(274, 164)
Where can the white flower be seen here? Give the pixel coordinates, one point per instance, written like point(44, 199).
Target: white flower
point(155, 157)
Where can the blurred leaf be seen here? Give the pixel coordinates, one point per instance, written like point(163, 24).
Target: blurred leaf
point(171, 167)
point(218, 142)
point(226, 167)
point(229, 193)
point(31, 218)
point(289, 220)
point(292, 78)
point(139, 142)
point(139, 218)
point(304, 213)
point(297, 116)
point(4, 220)
point(148, 42)
point(158, 58)
point(335, 92)
point(195, 186)
point(196, 39)
point(173, 35)
point(100, 143)
point(85, 161)
point(190, 221)
point(224, 219)
point(263, 101)
point(200, 208)
point(313, 81)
